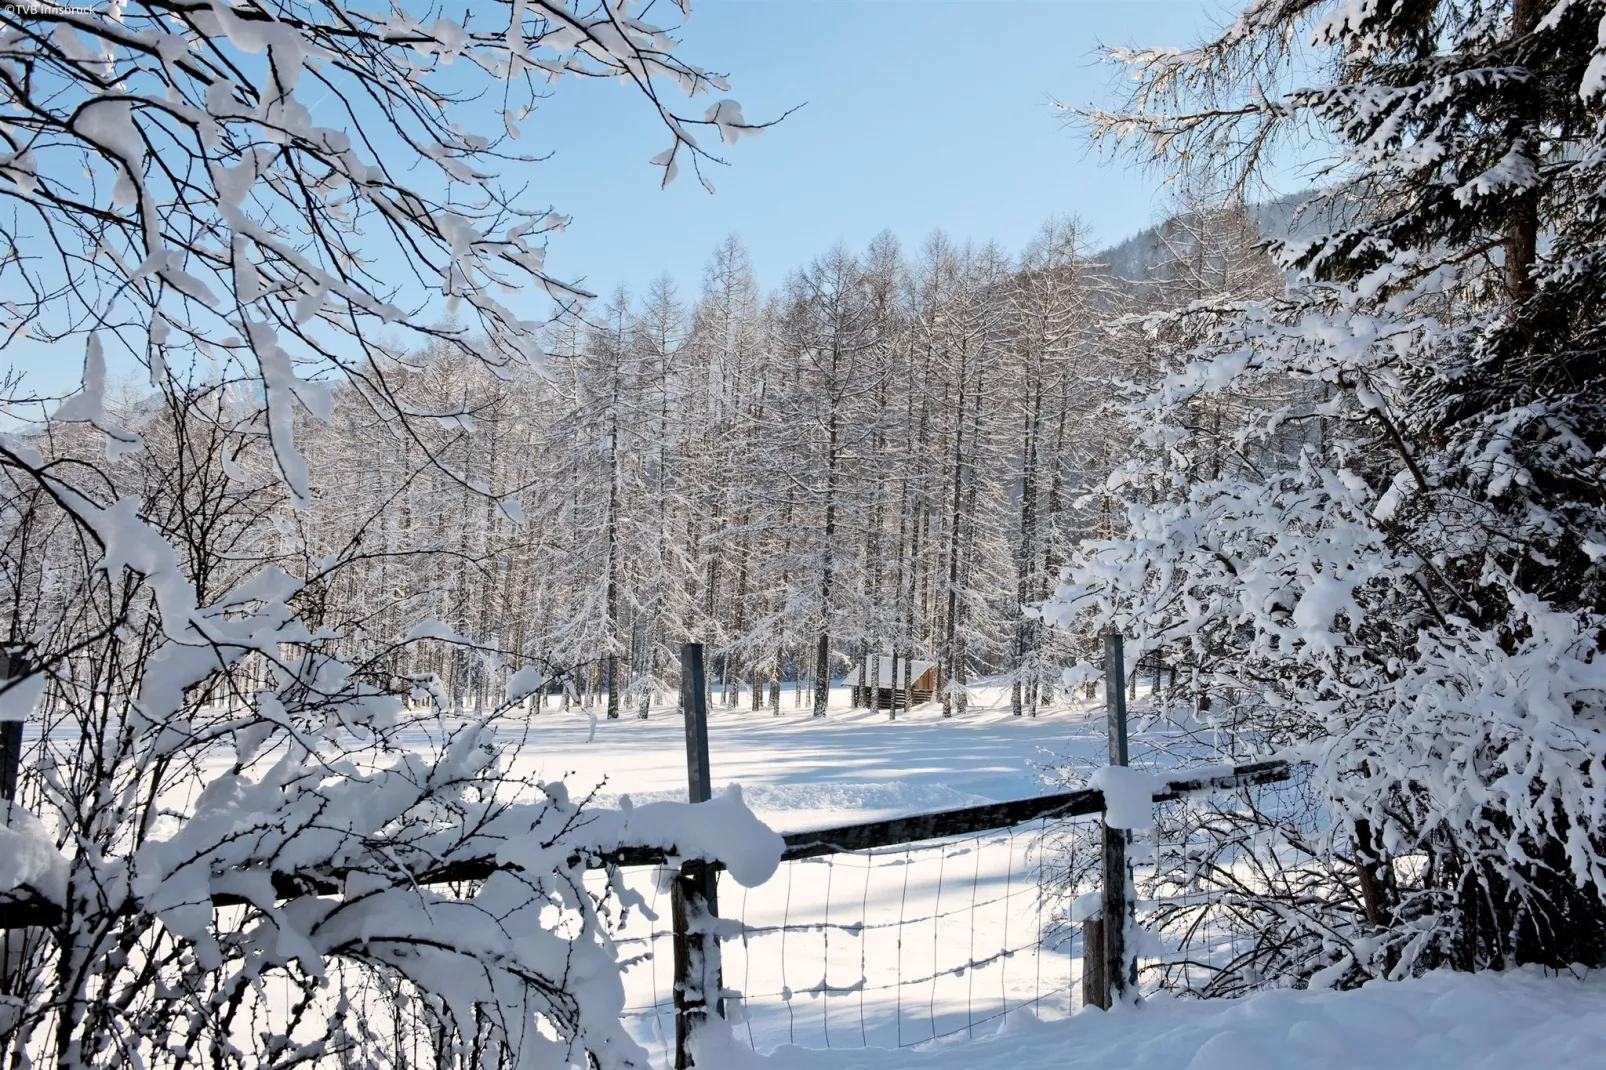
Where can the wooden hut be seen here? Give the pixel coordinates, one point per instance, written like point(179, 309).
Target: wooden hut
point(922, 683)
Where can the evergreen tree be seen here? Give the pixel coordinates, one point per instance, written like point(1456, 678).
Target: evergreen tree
point(1397, 542)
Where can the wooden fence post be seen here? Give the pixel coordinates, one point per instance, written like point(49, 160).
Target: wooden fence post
point(694, 900)
point(11, 667)
point(1108, 970)
point(1095, 981)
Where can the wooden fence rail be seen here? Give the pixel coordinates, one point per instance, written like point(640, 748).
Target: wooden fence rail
point(965, 820)
point(811, 843)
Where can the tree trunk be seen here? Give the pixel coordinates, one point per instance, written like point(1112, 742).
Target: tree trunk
point(1376, 887)
point(822, 674)
point(822, 652)
point(1522, 231)
point(950, 643)
point(611, 622)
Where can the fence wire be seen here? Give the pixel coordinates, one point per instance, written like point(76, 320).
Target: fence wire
point(890, 947)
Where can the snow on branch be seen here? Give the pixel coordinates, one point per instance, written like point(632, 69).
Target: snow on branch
point(268, 205)
point(295, 190)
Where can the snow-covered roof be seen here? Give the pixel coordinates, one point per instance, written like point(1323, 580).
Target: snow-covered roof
point(887, 673)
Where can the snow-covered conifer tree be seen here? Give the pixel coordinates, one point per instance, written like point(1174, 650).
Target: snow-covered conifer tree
point(1394, 544)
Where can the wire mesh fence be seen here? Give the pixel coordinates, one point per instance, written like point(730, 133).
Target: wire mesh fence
point(888, 947)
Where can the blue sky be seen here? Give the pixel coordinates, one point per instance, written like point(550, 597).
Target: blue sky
point(912, 115)
point(916, 114)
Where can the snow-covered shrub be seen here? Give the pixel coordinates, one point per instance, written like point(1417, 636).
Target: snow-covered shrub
point(244, 846)
point(233, 843)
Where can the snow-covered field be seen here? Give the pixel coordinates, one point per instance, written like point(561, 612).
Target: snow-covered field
point(929, 956)
point(800, 772)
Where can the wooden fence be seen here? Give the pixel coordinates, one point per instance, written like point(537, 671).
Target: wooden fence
point(1109, 967)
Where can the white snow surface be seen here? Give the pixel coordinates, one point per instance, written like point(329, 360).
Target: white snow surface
point(1128, 795)
point(863, 993)
point(28, 855)
point(1443, 1021)
point(725, 830)
point(889, 950)
point(799, 772)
